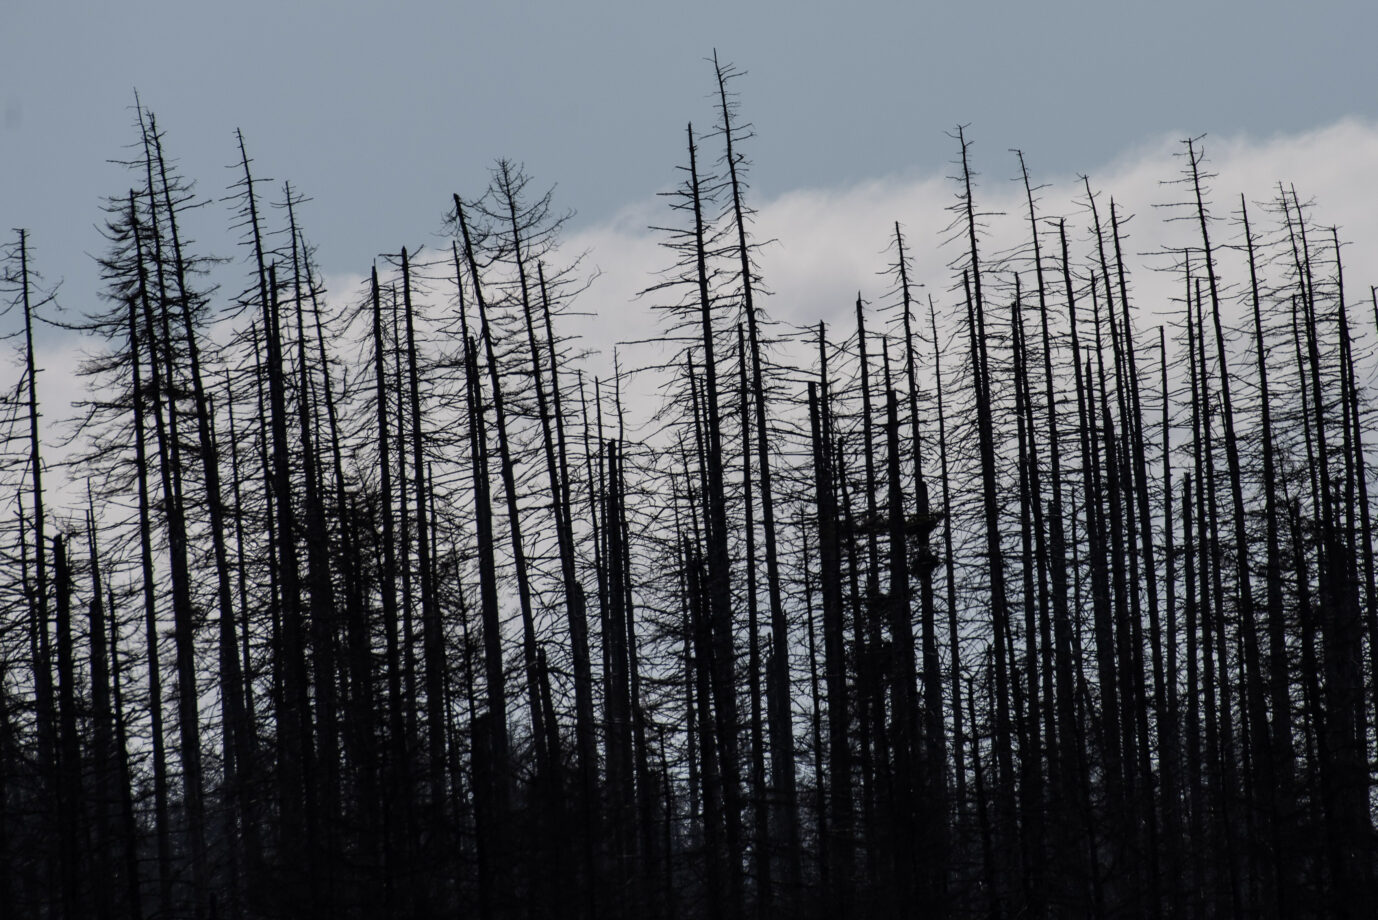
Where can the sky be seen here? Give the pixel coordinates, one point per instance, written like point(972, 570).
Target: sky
point(378, 112)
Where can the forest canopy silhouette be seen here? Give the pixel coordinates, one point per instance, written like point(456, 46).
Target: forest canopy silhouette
point(1013, 595)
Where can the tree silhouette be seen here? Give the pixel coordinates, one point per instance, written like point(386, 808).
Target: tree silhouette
point(389, 602)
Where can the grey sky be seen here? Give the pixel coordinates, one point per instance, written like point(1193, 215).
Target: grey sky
point(379, 111)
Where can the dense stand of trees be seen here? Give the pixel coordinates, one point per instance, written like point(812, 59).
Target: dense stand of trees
point(997, 601)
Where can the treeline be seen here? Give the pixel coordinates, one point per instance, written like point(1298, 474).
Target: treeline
point(996, 602)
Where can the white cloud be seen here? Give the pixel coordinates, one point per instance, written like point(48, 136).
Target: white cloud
point(829, 243)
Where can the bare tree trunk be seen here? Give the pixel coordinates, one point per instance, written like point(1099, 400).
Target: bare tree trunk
point(103, 756)
point(41, 653)
point(70, 813)
point(129, 829)
point(840, 858)
point(1256, 707)
point(154, 669)
point(508, 472)
point(953, 636)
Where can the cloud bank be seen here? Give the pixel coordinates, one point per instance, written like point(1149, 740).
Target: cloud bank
point(829, 244)
point(826, 245)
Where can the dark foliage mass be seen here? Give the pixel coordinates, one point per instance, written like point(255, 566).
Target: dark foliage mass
point(992, 605)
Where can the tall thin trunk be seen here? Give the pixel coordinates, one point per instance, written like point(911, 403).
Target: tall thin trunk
point(839, 843)
point(1253, 690)
point(933, 788)
point(103, 755)
point(761, 846)
point(909, 783)
point(1282, 757)
point(154, 669)
point(777, 680)
point(72, 842)
point(129, 829)
point(38, 594)
point(483, 525)
point(999, 608)
point(953, 635)
point(509, 482)
point(321, 587)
